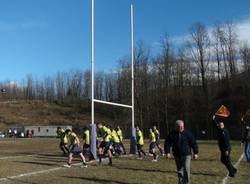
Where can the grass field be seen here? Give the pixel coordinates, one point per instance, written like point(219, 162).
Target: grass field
point(38, 161)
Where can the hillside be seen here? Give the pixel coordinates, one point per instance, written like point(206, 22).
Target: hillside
point(21, 112)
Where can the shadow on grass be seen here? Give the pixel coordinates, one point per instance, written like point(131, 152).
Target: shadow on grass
point(245, 175)
point(17, 154)
point(37, 163)
point(21, 181)
point(144, 170)
point(206, 160)
point(51, 155)
point(94, 179)
point(204, 174)
point(53, 160)
point(163, 171)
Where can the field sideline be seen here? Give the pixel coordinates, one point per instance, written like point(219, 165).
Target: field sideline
point(38, 161)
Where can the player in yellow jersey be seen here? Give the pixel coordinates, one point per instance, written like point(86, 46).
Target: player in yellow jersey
point(63, 140)
point(140, 143)
point(116, 143)
point(75, 148)
point(152, 141)
point(86, 143)
point(157, 136)
point(105, 145)
point(120, 135)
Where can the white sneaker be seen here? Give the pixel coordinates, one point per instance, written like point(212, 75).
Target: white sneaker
point(67, 166)
point(139, 158)
point(155, 160)
point(84, 165)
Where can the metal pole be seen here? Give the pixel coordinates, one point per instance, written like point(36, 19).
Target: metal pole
point(92, 126)
point(92, 64)
point(133, 133)
point(132, 64)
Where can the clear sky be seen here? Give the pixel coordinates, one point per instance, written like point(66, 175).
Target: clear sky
point(42, 37)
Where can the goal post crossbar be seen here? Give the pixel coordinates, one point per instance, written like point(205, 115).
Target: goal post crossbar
point(112, 103)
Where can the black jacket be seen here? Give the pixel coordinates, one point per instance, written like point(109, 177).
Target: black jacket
point(223, 138)
point(183, 146)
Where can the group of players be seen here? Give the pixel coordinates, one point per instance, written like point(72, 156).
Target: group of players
point(154, 142)
point(70, 145)
point(109, 141)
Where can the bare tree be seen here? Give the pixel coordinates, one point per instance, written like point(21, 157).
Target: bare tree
point(164, 67)
point(217, 33)
point(141, 83)
point(199, 46)
point(231, 47)
point(199, 50)
point(245, 55)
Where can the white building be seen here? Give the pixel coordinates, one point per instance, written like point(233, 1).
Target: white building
point(44, 131)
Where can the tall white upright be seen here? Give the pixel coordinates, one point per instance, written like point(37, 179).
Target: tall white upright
point(132, 63)
point(133, 132)
point(93, 126)
point(92, 63)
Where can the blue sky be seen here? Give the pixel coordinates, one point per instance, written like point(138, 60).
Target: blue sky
point(41, 37)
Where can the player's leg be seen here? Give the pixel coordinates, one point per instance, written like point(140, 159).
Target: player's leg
point(78, 151)
point(83, 160)
point(139, 150)
point(152, 151)
point(180, 169)
point(225, 159)
point(123, 148)
point(66, 148)
point(86, 149)
point(61, 146)
point(159, 146)
point(100, 152)
point(150, 148)
point(118, 148)
point(143, 152)
point(186, 168)
point(108, 149)
point(70, 157)
point(112, 148)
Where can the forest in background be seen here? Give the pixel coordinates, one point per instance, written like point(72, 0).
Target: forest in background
point(187, 80)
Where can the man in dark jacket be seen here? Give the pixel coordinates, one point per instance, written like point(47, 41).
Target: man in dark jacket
point(225, 147)
point(246, 138)
point(182, 143)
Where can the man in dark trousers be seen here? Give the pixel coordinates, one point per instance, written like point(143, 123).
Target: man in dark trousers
point(246, 138)
point(182, 143)
point(224, 146)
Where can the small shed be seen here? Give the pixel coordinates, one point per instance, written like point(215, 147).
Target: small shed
point(44, 131)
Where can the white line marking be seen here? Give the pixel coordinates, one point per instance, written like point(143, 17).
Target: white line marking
point(39, 172)
point(30, 174)
point(224, 181)
point(47, 170)
point(13, 157)
point(36, 173)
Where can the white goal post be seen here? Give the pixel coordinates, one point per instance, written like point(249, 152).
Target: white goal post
point(93, 100)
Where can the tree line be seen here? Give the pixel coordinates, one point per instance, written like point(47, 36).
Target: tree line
point(187, 80)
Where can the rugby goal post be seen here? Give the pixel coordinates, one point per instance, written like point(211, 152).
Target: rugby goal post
point(93, 100)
